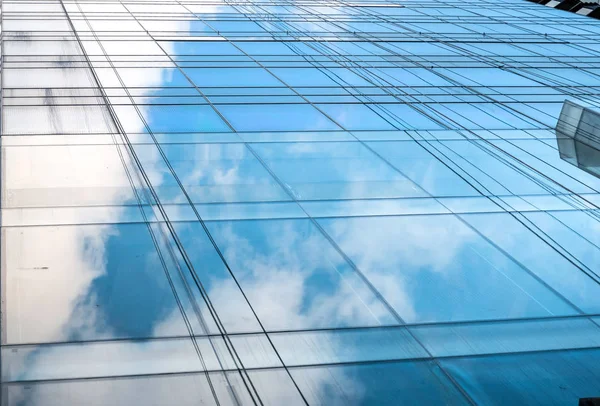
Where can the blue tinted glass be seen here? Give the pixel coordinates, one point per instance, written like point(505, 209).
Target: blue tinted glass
point(293, 278)
point(497, 172)
point(555, 377)
point(216, 280)
point(200, 48)
point(166, 77)
point(283, 117)
point(488, 77)
point(566, 230)
point(303, 77)
point(514, 238)
point(184, 389)
point(424, 168)
point(264, 48)
point(231, 77)
point(405, 117)
point(214, 173)
point(483, 115)
point(435, 268)
point(544, 157)
point(377, 384)
point(176, 119)
point(508, 337)
point(349, 345)
point(356, 117)
point(334, 171)
point(411, 77)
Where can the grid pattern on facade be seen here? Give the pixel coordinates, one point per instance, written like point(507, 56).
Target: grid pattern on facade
point(296, 202)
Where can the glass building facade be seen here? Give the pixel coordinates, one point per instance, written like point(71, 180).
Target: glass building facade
point(276, 202)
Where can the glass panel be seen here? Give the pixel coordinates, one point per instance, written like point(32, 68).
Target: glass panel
point(48, 78)
point(334, 171)
point(378, 207)
point(341, 346)
point(356, 117)
point(222, 173)
point(553, 377)
point(508, 337)
point(275, 387)
point(64, 176)
point(86, 360)
point(424, 168)
point(441, 271)
point(184, 390)
point(181, 119)
point(292, 117)
point(557, 226)
point(274, 203)
point(40, 47)
point(57, 120)
point(518, 241)
point(377, 384)
point(304, 77)
point(93, 282)
point(232, 77)
point(499, 173)
point(211, 274)
point(292, 284)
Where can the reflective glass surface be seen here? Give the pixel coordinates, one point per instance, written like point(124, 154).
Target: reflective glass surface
point(302, 202)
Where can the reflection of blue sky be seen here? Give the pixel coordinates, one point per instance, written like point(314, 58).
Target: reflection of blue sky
point(273, 117)
point(493, 174)
point(563, 377)
point(111, 283)
point(294, 278)
point(434, 268)
point(181, 390)
point(181, 119)
point(575, 231)
point(101, 282)
point(548, 264)
point(132, 296)
point(210, 173)
point(378, 384)
point(231, 77)
point(544, 158)
point(423, 168)
point(335, 171)
point(222, 173)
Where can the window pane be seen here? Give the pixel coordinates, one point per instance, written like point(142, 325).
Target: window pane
point(435, 268)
